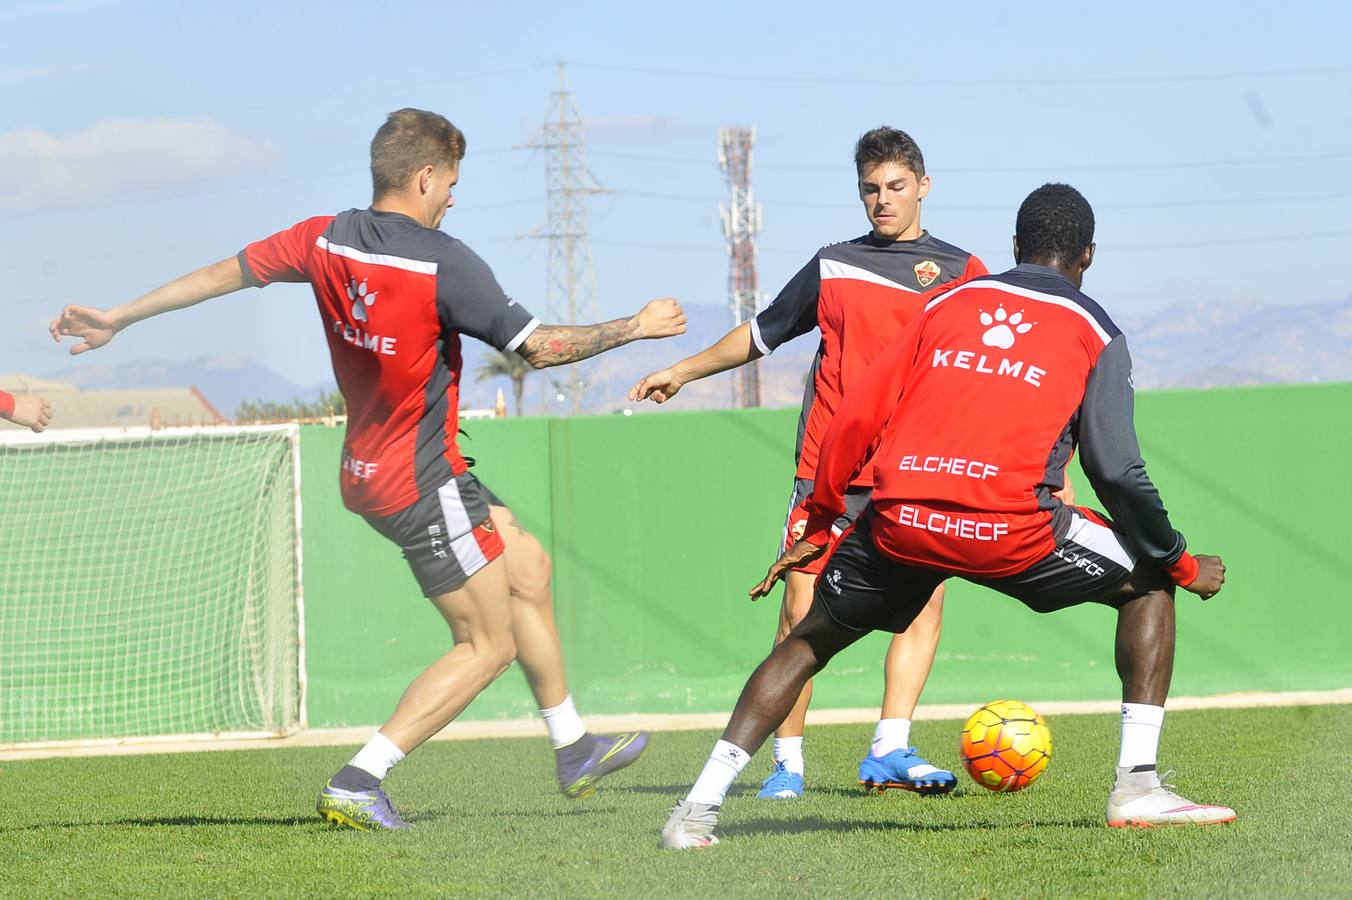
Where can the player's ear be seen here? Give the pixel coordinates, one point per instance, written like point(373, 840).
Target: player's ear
point(425, 179)
point(922, 188)
point(1014, 241)
point(1087, 258)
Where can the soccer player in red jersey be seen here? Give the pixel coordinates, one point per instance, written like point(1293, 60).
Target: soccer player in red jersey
point(395, 294)
point(28, 410)
point(968, 421)
point(859, 294)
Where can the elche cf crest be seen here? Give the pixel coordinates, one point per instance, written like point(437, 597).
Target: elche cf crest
point(926, 272)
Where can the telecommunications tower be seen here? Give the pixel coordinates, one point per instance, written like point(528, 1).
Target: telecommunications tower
point(741, 223)
point(570, 291)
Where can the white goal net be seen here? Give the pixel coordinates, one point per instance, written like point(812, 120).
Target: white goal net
point(150, 584)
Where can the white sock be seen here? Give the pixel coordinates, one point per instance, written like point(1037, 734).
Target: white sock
point(789, 751)
point(1141, 724)
point(564, 724)
point(724, 765)
point(378, 756)
point(891, 734)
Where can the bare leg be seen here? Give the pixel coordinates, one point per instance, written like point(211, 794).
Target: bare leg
point(798, 590)
point(538, 649)
point(910, 656)
point(777, 683)
point(481, 623)
point(1145, 647)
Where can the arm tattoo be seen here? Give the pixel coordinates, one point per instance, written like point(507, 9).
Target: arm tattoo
point(556, 345)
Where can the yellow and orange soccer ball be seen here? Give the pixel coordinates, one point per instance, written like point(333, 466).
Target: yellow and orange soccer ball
point(1005, 745)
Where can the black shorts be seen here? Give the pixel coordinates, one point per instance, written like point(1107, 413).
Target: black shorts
point(446, 536)
point(863, 590)
point(856, 500)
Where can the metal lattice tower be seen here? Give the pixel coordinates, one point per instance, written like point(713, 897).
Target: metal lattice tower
point(571, 283)
point(741, 223)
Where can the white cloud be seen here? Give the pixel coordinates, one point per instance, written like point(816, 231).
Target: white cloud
point(40, 170)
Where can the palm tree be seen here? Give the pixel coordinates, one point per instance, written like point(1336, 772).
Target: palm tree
point(511, 365)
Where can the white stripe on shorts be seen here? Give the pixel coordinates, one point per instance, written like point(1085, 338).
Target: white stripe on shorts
point(1100, 539)
point(464, 545)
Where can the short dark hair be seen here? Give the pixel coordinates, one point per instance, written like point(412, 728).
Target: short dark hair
point(886, 144)
point(409, 140)
point(1055, 222)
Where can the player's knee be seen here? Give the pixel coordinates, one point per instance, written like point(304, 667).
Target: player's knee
point(797, 600)
point(500, 654)
point(529, 572)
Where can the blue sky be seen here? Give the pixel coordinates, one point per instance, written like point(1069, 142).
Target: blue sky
point(139, 140)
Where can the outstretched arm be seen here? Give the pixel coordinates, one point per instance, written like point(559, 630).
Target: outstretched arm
point(736, 348)
point(793, 313)
point(557, 345)
point(97, 326)
point(854, 435)
point(1111, 458)
point(28, 410)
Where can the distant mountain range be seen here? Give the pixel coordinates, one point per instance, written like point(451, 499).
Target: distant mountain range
point(226, 379)
point(1194, 346)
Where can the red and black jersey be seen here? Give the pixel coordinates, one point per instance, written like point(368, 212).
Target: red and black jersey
point(394, 298)
point(860, 294)
point(970, 418)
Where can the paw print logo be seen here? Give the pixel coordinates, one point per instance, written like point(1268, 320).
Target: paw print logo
point(1003, 327)
point(361, 298)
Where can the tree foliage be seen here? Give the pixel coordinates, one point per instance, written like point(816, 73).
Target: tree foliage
point(261, 411)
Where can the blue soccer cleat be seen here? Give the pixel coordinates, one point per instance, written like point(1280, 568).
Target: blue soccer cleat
point(906, 770)
point(781, 785)
point(362, 810)
point(594, 756)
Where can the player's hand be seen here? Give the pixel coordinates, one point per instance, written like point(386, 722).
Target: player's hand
point(660, 318)
point(1210, 577)
point(95, 326)
point(31, 411)
point(1067, 493)
point(800, 553)
point(658, 387)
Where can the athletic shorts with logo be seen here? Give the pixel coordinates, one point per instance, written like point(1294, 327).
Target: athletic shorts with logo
point(446, 535)
point(863, 589)
point(856, 499)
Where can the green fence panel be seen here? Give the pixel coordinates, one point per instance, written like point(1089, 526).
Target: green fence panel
point(658, 525)
point(369, 631)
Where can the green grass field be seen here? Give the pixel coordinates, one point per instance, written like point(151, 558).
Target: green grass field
point(488, 821)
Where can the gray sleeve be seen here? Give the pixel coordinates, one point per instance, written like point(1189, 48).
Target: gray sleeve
point(470, 301)
point(1111, 458)
point(792, 313)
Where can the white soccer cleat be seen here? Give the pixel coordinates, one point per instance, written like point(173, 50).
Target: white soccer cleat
point(691, 826)
point(1141, 800)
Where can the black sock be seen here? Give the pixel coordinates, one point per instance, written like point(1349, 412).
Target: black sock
point(350, 778)
point(1135, 769)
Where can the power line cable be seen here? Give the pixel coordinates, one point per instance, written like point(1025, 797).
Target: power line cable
point(1090, 81)
point(1021, 170)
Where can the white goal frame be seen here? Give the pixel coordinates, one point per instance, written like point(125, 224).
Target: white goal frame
point(16, 437)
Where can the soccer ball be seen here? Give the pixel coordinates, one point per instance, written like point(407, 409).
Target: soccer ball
point(1005, 745)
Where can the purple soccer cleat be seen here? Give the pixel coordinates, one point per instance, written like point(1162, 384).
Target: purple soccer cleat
point(593, 756)
point(363, 810)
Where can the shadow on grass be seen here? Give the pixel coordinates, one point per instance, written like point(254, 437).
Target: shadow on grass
point(801, 826)
point(176, 821)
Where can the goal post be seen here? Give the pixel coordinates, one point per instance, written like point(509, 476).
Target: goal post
point(150, 585)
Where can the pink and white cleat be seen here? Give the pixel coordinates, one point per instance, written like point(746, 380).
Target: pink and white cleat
point(1142, 800)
